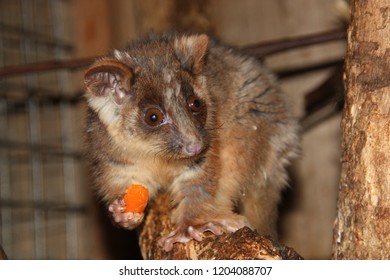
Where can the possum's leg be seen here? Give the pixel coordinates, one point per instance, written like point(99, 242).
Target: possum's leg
point(196, 209)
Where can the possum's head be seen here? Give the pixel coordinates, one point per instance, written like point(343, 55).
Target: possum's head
point(152, 97)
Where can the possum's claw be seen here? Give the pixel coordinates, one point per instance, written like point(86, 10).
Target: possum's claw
point(185, 234)
point(127, 220)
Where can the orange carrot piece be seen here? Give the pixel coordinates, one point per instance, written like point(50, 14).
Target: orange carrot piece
point(136, 198)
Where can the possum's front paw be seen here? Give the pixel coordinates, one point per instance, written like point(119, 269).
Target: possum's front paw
point(127, 220)
point(184, 234)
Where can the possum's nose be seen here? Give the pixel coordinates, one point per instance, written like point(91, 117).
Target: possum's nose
point(192, 149)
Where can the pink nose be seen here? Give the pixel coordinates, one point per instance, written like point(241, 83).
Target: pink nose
point(192, 149)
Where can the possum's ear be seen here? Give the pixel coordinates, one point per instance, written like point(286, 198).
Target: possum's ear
point(109, 78)
point(191, 51)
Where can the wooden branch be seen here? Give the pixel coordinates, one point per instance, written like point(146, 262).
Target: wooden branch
point(70, 64)
point(294, 71)
point(324, 101)
point(258, 50)
point(272, 47)
point(244, 244)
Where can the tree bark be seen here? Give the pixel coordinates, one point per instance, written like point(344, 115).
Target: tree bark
point(244, 244)
point(362, 229)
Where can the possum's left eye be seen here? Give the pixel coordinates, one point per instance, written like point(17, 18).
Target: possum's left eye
point(195, 104)
point(154, 116)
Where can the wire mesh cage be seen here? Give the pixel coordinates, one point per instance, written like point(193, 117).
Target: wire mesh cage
point(42, 201)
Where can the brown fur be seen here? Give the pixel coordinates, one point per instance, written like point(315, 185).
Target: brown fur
point(233, 152)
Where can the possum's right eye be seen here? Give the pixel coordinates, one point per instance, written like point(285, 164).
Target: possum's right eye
point(154, 117)
point(194, 104)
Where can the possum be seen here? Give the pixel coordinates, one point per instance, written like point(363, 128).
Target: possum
point(185, 114)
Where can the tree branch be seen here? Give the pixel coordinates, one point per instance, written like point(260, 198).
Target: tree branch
point(258, 50)
point(244, 244)
point(272, 47)
point(70, 64)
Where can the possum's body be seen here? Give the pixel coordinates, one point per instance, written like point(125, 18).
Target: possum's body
point(198, 119)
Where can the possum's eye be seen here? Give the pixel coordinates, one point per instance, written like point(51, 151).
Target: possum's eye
point(154, 116)
point(195, 104)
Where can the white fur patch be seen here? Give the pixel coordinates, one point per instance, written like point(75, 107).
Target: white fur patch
point(201, 83)
point(167, 76)
point(118, 54)
point(121, 55)
point(106, 109)
point(169, 93)
point(177, 89)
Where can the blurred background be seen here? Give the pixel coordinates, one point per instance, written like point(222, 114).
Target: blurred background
point(47, 207)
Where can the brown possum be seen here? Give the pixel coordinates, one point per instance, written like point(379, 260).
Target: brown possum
point(185, 114)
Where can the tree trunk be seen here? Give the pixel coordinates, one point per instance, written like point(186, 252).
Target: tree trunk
point(362, 229)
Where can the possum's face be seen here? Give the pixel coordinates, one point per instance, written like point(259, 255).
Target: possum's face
point(153, 98)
